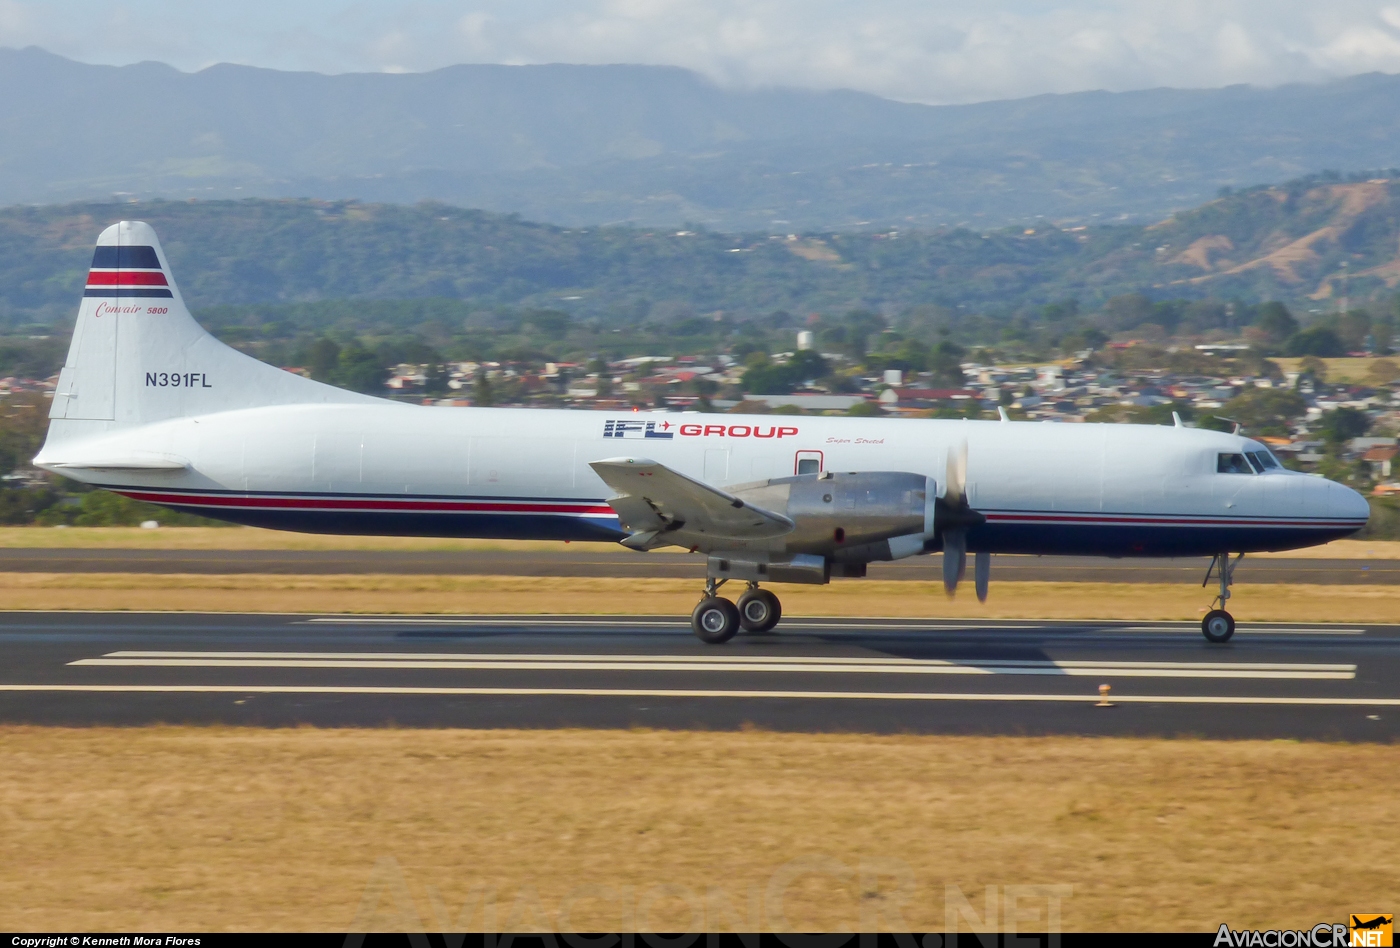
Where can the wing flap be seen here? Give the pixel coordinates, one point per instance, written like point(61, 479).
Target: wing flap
point(654, 499)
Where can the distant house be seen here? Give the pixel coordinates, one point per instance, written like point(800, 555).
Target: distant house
point(1383, 456)
point(809, 401)
point(923, 397)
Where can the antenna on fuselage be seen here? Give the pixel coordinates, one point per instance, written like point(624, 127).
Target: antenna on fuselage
point(1001, 413)
point(1177, 422)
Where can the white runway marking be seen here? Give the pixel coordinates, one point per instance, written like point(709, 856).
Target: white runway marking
point(720, 663)
point(698, 693)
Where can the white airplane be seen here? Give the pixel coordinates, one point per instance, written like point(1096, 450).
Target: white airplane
point(151, 406)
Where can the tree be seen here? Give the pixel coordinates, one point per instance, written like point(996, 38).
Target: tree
point(436, 383)
point(1090, 337)
point(1313, 367)
point(945, 362)
point(1352, 328)
point(1276, 323)
point(322, 359)
point(551, 322)
point(1126, 311)
point(360, 370)
point(482, 395)
point(807, 365)
point(767, 378)
point(1343, 424)
point(1383, 331)
point(1265, 410)
point(860, 325)
point(1384, 372)
point(22, 430)
point(865, 409)
point(1317, 341)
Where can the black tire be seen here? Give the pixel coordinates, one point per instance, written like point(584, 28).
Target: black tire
point(715, 620)
point(1218, 626)
point(759, 610)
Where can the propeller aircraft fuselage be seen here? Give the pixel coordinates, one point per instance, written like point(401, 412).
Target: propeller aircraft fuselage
point(151, 406)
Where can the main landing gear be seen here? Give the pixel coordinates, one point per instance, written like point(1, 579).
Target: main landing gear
point(1219, 625)
point(717, 620)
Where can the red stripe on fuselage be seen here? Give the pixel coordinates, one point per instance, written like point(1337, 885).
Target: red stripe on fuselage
point(126, 278)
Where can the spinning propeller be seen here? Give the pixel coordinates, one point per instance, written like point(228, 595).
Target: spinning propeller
point(953, 517)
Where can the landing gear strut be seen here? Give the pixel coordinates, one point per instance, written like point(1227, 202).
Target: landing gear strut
point(1219, 625)
point(759, 609)
point(716, 620)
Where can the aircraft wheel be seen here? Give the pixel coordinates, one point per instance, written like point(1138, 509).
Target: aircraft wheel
point(715, 620)
point(759, 610)
point(1218, 626)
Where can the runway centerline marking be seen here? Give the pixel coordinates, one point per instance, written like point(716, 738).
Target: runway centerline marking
point(698, 693)
point(729, 663)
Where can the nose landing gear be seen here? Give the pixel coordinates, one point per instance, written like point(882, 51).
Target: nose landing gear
point(1218, 625)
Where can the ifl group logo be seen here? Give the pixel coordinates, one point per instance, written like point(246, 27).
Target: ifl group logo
point(1371, 930)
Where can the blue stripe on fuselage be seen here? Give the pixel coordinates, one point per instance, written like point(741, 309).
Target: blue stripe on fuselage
point(1098, 539)
point(1105, 539)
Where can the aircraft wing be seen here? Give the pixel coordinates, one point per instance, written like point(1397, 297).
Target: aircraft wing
point(661, 507)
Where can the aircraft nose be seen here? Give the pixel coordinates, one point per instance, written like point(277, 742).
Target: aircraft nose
point(1346, 503)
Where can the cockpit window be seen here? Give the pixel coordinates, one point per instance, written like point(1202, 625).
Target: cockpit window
point(1263, 460)
point(1232, 464)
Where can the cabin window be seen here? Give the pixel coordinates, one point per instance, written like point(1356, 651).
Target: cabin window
point(1232, 464)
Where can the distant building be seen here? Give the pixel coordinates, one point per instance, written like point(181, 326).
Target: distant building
point(920, 398)
point(809, 401)
point(1383, 457)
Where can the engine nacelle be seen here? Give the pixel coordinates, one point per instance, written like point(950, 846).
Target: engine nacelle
point(856, 517)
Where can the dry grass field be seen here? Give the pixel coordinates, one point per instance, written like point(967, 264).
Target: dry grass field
point(391, 594)
point(252, 538)
point(244, 829)
point(1344, 369)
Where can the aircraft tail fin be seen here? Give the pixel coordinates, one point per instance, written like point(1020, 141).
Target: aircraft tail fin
point(138, 356)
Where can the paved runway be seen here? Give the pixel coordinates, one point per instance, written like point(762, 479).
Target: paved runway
point(603, 560)
point(935, 676)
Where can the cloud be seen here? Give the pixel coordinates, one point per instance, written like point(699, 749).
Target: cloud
point(920, 50)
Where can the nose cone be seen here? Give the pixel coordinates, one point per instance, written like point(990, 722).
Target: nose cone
point(1347, 504)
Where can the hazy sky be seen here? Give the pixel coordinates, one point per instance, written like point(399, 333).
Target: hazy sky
point(923, 50)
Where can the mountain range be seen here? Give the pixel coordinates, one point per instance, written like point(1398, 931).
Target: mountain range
point(1309, 242)
point(658, 146)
